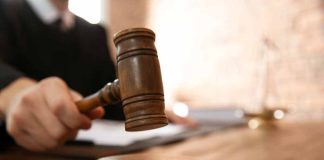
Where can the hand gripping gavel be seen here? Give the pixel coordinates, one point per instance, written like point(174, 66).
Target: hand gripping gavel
point(139, 84)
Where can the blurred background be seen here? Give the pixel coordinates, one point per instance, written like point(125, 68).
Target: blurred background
point(229, 53)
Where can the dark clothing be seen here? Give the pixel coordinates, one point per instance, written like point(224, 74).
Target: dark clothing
point(28, 47)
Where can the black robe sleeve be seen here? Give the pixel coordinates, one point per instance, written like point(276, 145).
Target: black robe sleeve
point(7, 72)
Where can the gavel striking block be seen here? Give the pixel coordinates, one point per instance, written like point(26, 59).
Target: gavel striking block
point(139, 85)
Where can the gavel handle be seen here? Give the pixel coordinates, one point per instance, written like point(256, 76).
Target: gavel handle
point(109, 94)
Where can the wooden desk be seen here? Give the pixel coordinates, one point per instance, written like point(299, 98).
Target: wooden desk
point(288, 141)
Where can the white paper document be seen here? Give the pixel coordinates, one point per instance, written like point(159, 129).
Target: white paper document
point(107, 132)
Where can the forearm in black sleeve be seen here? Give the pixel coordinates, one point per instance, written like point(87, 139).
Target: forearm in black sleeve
point(8, 74)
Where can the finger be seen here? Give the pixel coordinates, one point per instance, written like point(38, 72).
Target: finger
point(15, 124)
point(96, 113)
point(57, 96)
point(86, 122)
point(41, 135)
point(72, 135)
point(26, 132)
point(45, 126)
point(35, 129)
point(28, 143)
point(49, 122)
point(76, 96)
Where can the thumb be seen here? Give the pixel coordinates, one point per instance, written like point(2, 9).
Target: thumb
point(93, 114)
point(76, 96)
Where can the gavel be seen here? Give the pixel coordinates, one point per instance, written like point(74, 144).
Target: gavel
point(139, 85)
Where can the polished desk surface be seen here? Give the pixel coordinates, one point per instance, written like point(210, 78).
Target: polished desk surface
point(285, 141)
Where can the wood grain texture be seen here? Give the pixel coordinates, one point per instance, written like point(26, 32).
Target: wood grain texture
point(140, 80)
point(139, 85)
point(287, 141)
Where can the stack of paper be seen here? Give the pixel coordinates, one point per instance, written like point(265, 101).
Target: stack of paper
point(107, 132)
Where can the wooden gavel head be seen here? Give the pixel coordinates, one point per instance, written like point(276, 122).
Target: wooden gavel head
point(139, 85)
